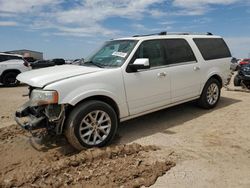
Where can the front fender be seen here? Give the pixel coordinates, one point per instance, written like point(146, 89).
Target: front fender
point(73, 98)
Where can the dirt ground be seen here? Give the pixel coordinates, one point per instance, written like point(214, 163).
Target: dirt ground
point(183, 146)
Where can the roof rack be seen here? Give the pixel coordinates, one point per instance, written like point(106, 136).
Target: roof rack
point(174, 33)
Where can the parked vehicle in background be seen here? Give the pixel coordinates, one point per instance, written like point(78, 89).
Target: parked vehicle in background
point(41, 64)
point(58, 61)
point(10, 66)
point(46, 63)
point(126, 78)
point(78, 61)
point(234, 64)
point(243, 76)
point(244, 62)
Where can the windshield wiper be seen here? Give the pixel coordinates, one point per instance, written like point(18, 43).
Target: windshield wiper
point(93, 63)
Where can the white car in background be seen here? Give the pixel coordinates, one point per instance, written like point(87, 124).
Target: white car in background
point(10, 66)
point(126, 78)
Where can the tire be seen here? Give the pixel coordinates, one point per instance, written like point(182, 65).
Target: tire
point(237, 81)
point(210, 95)
point(9, 79)
point(83, 117)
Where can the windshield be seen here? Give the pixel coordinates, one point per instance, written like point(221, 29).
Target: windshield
point(112, 53)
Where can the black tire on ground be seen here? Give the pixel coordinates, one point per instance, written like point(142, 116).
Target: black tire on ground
point(203, 101)
point(237, 81)
point(9, 79)
point(85, 111)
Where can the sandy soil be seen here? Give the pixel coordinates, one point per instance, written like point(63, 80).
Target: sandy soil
point(11, 99)
point(183, 146)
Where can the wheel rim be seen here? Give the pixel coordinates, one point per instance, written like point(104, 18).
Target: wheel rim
point(95, 127)
point(212, 94)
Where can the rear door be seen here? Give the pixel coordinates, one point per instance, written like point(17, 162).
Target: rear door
point(184, 69)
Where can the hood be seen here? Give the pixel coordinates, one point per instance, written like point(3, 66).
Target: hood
point(45, 76)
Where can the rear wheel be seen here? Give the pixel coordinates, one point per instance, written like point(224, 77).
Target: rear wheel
point(91, 124)
point(210, 94)
point(9, 79)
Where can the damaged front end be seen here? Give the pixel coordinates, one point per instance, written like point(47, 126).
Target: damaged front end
point(41, 111)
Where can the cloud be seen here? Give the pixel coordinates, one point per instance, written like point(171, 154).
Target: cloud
point(199, 7)
point(8, 23)
point(79, 17)
point(99, 10)
point(84, 18)
point(24, 6)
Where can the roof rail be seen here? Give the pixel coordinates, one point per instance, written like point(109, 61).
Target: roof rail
point(161, 33)
point(174, 33)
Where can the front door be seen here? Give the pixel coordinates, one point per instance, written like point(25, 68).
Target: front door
point(148, 89)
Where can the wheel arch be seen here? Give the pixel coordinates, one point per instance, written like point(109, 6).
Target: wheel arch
point(217, 77)
point(9, 70)
point(102, 98)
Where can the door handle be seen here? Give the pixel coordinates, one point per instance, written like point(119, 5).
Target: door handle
point(196, 68)
point(162, 74)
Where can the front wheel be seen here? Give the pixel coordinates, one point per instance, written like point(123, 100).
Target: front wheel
point(210, 94)
point(91, 124)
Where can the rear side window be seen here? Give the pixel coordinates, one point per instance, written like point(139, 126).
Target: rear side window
point(2, 58)
point(178, 51)
point(212, 48)
point(8, 57)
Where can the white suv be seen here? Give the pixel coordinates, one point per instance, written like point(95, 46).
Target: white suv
point(126, 78)
point(10, 66)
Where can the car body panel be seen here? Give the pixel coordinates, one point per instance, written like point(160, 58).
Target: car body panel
point(147, 89)
point(40, 78)
point(101, 83)
point(134, 93)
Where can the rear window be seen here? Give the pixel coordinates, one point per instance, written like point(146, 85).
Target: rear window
point(212, 48)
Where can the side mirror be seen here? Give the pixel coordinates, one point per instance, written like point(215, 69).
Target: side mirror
point(141, 63)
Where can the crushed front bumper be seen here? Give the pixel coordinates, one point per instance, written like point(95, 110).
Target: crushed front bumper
point(32, 119)
point(50, 117)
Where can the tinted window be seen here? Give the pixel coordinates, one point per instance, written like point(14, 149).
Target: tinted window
point(212, 48)
point(8, 57)
point(178, 51)
point(2, 58)
point(154, 51)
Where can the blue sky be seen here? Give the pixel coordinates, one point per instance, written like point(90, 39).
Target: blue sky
point(72, 29)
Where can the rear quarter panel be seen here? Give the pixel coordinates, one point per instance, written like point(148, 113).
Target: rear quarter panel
point(13, 65)
point(220, 67)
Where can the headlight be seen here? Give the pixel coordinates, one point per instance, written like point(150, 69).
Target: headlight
point(43, 97)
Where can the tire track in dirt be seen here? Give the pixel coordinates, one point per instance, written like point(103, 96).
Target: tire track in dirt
point(130, 165)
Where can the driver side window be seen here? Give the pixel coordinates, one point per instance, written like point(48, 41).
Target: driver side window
point(154, 51)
